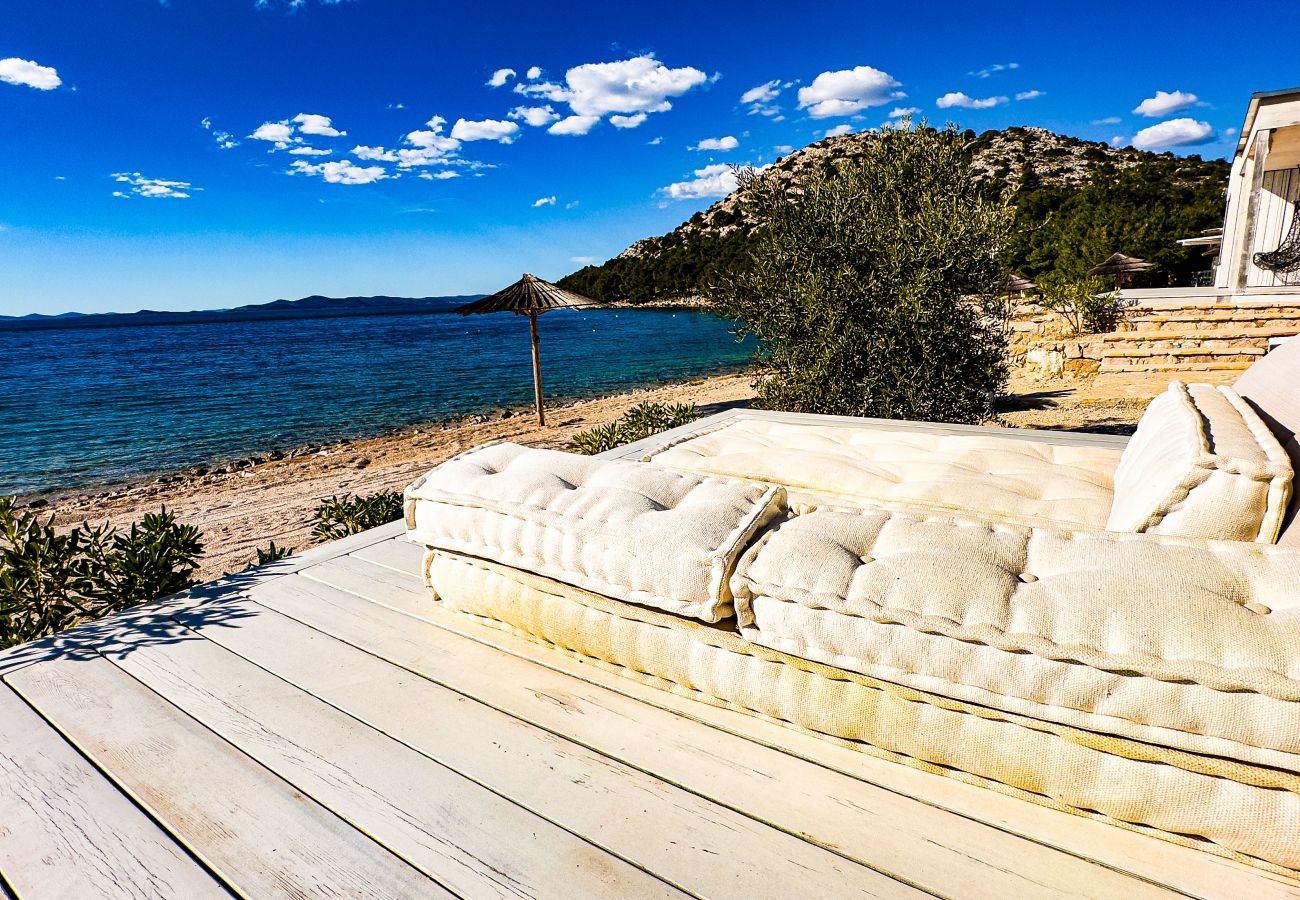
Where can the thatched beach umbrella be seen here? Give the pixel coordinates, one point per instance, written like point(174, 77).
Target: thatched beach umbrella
point(1121, 267)
point(1017, 284)
point(529, 296)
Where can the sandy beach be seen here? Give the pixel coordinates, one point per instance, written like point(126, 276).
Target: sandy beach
point(247, 505)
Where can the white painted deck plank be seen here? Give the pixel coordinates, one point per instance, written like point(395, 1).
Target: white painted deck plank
point(261, 836)
point(684, 839)
point(469, 839)
point(66, 832)
point(1189, 871)
point(948, 855)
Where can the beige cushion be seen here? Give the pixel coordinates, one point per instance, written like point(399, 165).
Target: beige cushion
point(1179, 643)
point(993, 474)
point(1272, 388)
point(1202, 464)
point(633, 532)
point(1240, 810)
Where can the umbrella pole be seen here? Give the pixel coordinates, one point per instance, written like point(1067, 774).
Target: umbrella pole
point(537, 369)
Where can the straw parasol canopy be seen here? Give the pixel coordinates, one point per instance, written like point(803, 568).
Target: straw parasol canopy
point(1016, 284)
point(1119, 264)
point(529, 296)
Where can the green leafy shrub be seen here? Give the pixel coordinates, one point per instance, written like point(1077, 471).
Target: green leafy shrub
point(872, 289)
point(51, 580)
point(340, 516)
point(639, 422)
point(1084, 303)
point(271, 553)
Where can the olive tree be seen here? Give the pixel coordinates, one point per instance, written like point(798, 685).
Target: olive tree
point(872, 287)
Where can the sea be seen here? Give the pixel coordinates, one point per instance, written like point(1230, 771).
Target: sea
point(87, 407)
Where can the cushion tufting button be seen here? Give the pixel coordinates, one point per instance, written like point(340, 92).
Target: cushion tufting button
point(1027, 578)
point(1258, 608)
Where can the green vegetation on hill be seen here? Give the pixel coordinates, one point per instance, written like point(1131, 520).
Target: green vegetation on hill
point(873, 288)
point(1076, 203)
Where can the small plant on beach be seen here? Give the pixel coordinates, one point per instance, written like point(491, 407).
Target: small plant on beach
point(340, 516)
point(872, 283)
point(271, 553)
point(639, 422)
point(1085, 304)
point(51, 579)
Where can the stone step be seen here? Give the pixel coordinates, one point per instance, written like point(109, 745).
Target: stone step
point(1127, 365)
point(1144, 352)
point(1202, 334)
point(1236, 315)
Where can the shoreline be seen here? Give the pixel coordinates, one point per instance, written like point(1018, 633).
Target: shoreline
point(245, 505)
point(235, 461)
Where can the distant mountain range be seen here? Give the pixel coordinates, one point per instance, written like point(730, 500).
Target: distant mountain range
point(313, 307)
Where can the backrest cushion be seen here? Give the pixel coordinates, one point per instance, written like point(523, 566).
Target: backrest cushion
point(1202, 465)
point(1272, 388)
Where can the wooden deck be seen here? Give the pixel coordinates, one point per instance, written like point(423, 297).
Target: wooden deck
point(318, 727)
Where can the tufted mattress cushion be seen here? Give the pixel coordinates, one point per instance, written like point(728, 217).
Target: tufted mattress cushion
point(1202, 464)
point(1179, 643)
point(992, 474)
point(633, 532)
point(1241, 810)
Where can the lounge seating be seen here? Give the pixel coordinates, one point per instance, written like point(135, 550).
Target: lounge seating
point(993, 630)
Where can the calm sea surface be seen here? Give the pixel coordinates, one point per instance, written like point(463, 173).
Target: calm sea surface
point(80, 407)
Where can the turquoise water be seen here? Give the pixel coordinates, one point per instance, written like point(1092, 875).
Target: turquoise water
point(83, 407)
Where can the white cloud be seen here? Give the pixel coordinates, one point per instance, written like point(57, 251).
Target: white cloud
point(630, 88)
point(1118, 141)
point(30, 73)
point(572, 204)
point(278, 133)
point(342, 171)
point(838, 130)
point(574, 125)
point(376, 154)
point(627, 121)
point(431, 144)
point(1109, 120)
point(640, 84)
point(656, 141)
point(438, 176)
point(544, 201)
point(959, 98)
point(1029, 95)
point(901, 112)
point(783, 148)
point(993, 70)
point(310, 123)
point(534, 73)
point(711, 181)
point(225, 140)
point(309, 151)
point(722, 143)
point(1173, 133)
point(1164, 103)
point(848, 91)
point(583, 260)
point(500, 77)
point(152, 187)
point(764, 93)
point(537, 116)
point(760, 99)
point(484, 130)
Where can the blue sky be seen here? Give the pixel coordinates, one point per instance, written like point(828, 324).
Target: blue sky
point(172, 155)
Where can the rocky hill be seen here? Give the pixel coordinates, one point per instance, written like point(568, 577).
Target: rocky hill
point(1045, 173)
